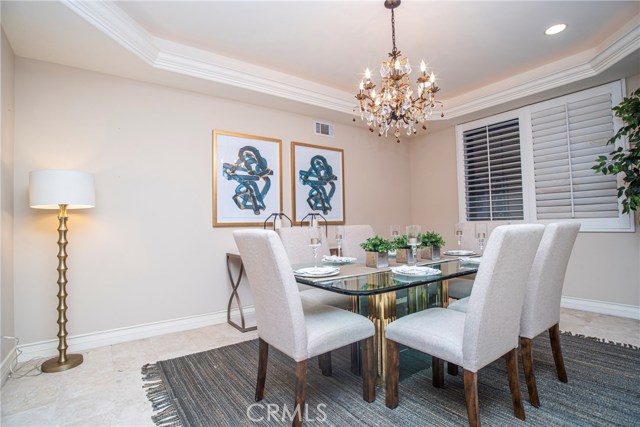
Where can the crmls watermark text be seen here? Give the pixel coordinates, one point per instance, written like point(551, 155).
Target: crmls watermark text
point(258, 412)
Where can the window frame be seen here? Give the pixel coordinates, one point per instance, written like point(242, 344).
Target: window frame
point(623, 223)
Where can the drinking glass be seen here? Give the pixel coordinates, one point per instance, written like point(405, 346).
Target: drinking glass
point(315, 240)
point(413, 235)
point(458, 228)
point(395, 231)
point(339, 237)
point(481, 233)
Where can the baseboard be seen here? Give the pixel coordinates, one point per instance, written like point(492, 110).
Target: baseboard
point(5, 368)
point(116, 336)
point(610, 308)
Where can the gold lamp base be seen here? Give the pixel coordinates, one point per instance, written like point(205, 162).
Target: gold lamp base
point(53, 365)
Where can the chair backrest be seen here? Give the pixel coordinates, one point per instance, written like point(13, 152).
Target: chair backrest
point(353, 236)
point(492, 324)
point(541, 308)
point(296, 244)
point(275, 295)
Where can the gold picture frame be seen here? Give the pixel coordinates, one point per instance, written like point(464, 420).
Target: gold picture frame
point(317, 183)
point(247, 179)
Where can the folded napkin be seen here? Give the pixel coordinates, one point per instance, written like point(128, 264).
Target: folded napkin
point(475, 260)
point(316, 271)
point(334, 258)
point(415, 271)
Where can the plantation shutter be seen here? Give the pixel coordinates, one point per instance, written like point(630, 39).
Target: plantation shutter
point(566, 141)
point(493, 172)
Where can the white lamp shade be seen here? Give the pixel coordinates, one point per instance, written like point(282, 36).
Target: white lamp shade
point(50, 188)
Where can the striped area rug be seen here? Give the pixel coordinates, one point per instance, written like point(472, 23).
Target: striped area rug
point(216, 388)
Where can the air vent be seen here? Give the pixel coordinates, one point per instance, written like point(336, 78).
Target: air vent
point(325, 129)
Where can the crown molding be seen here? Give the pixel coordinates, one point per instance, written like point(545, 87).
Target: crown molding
point(176, 58)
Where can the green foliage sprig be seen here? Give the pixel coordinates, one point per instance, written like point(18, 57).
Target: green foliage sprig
point(401, 241)
point(377, 244)
point(626, 162)
point(431, 238)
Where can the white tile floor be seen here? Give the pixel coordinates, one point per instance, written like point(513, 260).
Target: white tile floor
point(106, 390)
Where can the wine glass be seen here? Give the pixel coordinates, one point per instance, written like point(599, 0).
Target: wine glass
point(413, 234)
point(458, 228)
point(315, 240)
point(339, 237)
point(481, 233)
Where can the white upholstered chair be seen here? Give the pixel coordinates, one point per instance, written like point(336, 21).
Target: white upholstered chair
point(353, 236)
point(541, 306)
point(299, 331)
point(486, 332)
point(296, 245)
point(461, 288)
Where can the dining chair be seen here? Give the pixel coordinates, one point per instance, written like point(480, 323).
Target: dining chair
point(461, 288)
point(296, 245)
point(489, 329)
point(541, 306)
point(353, 236)
point(301, 331)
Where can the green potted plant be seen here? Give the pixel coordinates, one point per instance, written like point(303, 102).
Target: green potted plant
point(377, 249)
point(431, 243)
point(404, 254)
point(626, 162)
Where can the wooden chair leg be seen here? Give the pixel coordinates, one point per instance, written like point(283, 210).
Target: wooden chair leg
point(324, 361)
point(452, 369)
point(471, 396)
point(368, 370)
point(301, 386)
point(392, 377)
point(514, 383)
point(526, 351)
point(437, 367)
point(554, 336)
point(263, 358)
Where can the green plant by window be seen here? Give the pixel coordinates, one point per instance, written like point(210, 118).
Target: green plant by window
point(401, 242)
point(377, 244)
point(626, 162)
point(431, 238)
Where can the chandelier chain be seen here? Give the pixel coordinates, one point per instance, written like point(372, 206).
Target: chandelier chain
point(393, 33)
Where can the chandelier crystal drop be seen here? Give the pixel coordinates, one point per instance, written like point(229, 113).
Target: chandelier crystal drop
point(395, 106)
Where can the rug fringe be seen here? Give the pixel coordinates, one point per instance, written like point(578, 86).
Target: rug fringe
point(158, 395)
point(602, 340)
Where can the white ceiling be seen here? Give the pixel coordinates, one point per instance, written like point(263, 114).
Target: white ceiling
point(311, 54)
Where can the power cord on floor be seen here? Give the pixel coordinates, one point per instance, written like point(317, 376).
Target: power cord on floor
point(32, 366)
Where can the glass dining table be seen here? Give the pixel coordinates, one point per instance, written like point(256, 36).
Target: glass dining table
point(383, 296)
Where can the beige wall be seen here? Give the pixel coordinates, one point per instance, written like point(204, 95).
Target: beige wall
point(6, 196)
point(148, 251)
point(603, 266)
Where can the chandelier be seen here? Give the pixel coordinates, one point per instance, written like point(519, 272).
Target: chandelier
point(395, 106)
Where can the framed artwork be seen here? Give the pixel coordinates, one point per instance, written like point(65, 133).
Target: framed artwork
point(317, 182)
point(247, 179)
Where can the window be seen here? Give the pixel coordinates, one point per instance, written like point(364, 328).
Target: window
point(534, 163)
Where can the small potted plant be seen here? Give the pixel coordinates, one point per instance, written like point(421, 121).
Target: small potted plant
point(377, 249)
point(404, 254)
point(431, 243)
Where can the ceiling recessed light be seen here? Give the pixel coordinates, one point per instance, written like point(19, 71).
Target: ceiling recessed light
point(555, 29)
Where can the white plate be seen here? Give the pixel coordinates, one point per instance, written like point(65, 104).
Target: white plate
point(317, 271)
point(405, 270)
point(459, 253)
point(476, 260)
point(338, 259)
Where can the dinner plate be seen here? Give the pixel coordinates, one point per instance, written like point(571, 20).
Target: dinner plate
point(459, 253)
point(317, 271)
point(406, 270)
point(333, 259)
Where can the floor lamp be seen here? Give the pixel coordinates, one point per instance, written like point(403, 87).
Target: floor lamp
point(61, 190)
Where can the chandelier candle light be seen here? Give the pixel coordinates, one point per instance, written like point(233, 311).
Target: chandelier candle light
point(394, 106)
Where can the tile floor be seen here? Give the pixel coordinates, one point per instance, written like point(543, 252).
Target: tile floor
point(106, 390)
